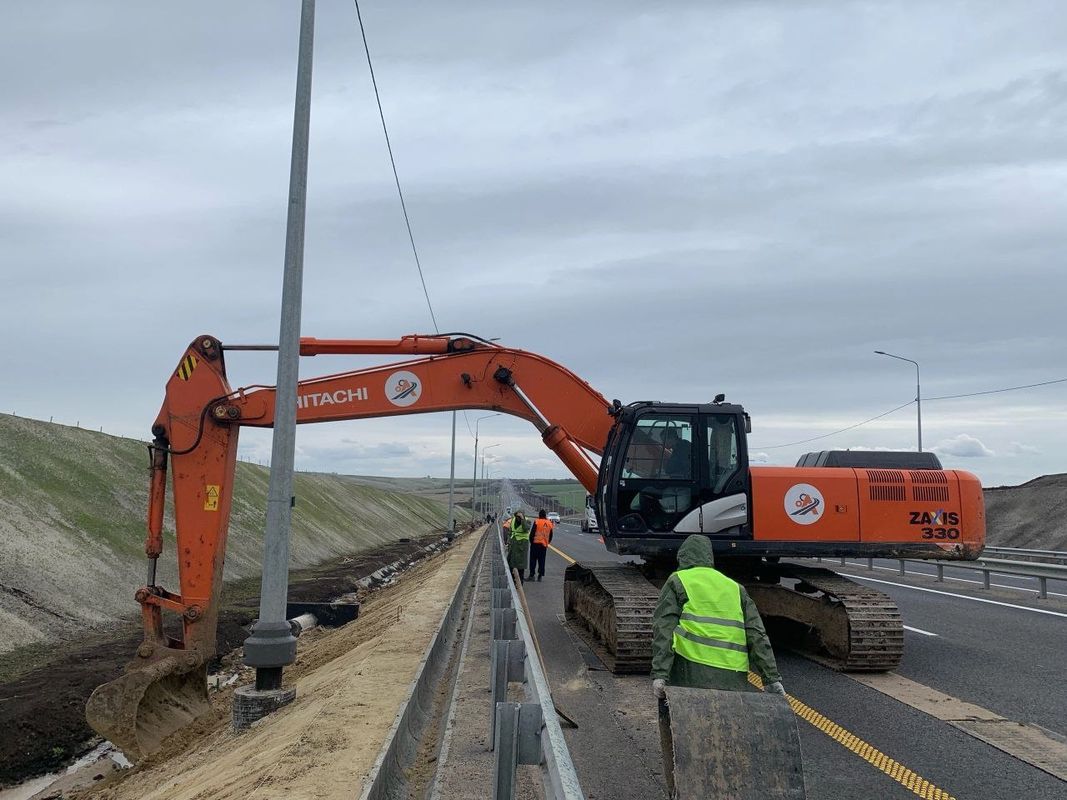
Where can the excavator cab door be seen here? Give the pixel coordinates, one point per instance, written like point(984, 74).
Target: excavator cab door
point(672, 468)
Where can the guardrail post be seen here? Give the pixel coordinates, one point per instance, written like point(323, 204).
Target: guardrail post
point(985, 579)
point(901, 566)
point(870, 563)
point(1042, 582)
point(508, 665)
point(941, 573)
point(842, 561)
point(502, 624)
point(519, 726)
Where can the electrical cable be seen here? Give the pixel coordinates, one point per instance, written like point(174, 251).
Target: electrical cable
point(400, 191)
point(996, 391)
point(834, 433)
point(392, 161)
point(925, 399)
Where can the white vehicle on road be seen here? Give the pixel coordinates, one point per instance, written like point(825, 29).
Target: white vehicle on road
point(589, 523)
point(553, 516)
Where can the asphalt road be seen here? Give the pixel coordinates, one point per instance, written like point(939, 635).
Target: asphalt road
point(1006, 658)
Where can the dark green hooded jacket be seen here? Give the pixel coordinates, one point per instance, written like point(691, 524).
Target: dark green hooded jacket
point(678, 671)
point(519, 548)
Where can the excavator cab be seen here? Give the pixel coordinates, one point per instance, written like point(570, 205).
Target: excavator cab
point(670, 470)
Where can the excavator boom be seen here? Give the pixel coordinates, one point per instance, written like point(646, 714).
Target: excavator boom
point(195, 439)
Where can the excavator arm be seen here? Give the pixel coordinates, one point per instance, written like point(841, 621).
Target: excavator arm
point(197, 428)
point(195, 439)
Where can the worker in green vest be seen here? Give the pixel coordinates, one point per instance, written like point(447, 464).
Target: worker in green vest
point(706, 634)
point(706, 630)
point(519, 543)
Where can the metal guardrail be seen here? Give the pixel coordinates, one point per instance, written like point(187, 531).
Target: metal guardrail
point(527, 732)
point(987, 566)
point(1054, 556)
point(388, 777)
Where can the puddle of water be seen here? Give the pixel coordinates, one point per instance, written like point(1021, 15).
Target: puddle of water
point(27, 789)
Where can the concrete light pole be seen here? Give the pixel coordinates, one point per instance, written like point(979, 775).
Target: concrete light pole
point(272, 645)
point(474, 484)
point(484, 486)
point(918, 393)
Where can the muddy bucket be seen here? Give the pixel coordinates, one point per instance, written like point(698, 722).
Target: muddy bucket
point(142, 707)
point(741, 745)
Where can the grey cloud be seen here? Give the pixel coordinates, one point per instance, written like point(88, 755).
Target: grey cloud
point(740, 197)
point(963, 446)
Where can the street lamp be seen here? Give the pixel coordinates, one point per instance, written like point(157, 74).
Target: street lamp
point(484, 486)
point(918, 393)
point(474, 485)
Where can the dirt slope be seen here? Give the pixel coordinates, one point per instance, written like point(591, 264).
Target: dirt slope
point(350, 684)
point(1033, 514)
point(72, 510)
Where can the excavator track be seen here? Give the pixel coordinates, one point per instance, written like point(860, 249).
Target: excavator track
point(611, 605)
point(850, 627)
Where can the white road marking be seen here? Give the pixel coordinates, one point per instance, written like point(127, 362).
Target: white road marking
point(966, 580)
point(953, 594)
point(918, 630)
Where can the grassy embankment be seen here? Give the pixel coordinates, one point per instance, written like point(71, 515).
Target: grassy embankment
point(72, 510)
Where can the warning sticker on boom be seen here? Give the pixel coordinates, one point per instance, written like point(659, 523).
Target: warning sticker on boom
point(211, 497)
point(804, 504)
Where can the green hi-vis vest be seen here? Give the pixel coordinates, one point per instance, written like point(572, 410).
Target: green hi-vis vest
point(711, 629)
point(520, 534)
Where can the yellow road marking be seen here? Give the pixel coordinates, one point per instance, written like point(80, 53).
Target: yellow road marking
point(873, 756)
point(561, 554)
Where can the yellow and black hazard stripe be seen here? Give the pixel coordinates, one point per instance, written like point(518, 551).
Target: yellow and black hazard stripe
point(186, 367)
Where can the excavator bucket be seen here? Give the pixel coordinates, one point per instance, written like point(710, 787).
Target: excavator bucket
point(738, 745)
point(143, 706)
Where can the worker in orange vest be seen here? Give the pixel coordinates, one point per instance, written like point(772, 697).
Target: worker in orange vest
point(539, 542)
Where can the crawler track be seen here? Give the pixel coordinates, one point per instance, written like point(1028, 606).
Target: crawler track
point(851, 627)
point(612, 607)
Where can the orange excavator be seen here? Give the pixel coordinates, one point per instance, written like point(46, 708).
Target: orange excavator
point(665, 471)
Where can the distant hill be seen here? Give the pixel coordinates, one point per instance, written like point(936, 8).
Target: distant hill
point(1033, 514)
point(72, 522)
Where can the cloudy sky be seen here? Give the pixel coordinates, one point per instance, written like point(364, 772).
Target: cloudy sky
point(673, 201)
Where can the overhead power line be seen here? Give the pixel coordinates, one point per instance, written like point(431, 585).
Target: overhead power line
point(997, 391)
point(396, 179)
point(842, 430)
point(392, 161)
point(905, 405)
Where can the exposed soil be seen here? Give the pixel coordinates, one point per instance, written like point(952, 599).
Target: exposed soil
point(42, 708)
point(1033, 514)
point(350, 683)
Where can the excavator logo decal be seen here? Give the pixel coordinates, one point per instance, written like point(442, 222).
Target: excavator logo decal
point(804, 504)
point(403, 388)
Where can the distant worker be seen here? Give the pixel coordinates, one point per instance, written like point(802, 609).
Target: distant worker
point(706, 634)
point(519, 543)
point(539, 542)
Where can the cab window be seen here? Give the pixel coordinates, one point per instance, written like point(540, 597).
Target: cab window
point(661, 448)
point(723, 455)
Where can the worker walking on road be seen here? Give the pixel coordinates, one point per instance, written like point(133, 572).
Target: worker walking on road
point(519, 543)
point(540, 540)
point(707, 634)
